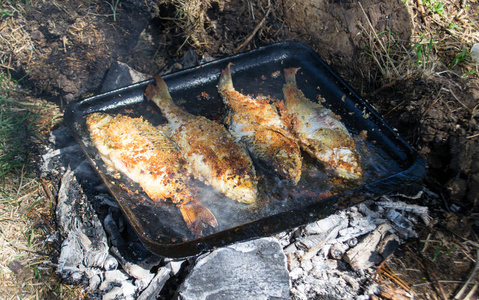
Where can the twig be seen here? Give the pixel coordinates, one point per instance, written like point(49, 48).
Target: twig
point(426, 242)
point(472, 136)
point(46, 190)
point(394, 108)
point(458, 100)
point(471, 294)
point(441, 281)
point(386, 270)
point(21, 181)
point(380, 267)
point(250, 6)
point(260, 24)
point(422, 12)
point(463, 289)
point(472, 243)
point(381, 88)
point(431, 274)
point(395, 278)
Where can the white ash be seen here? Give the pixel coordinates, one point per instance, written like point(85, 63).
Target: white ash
point(87, 258)
point(334, 258)
point(85, 244)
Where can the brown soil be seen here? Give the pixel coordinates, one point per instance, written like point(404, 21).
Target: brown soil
point(69, 46)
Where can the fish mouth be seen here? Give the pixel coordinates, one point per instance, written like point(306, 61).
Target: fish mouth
point(348, 174)
point(289, 165)
point(347, 163)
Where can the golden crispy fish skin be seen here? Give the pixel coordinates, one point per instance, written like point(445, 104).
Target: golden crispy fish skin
point(145, 155)
point(258, 124)
point(320, 131)
point(211, 151)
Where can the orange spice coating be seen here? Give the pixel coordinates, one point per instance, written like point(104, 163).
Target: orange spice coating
point(211, 151)
point(257, 123)
point(145, 155)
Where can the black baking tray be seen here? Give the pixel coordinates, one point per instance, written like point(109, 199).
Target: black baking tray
point(389, 162)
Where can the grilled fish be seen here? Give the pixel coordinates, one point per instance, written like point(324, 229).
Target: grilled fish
point(211, 151)
point(258, 124)
point(145, 155)
point(320, 131)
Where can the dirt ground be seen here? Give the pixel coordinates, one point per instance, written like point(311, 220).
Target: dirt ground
point(409, 60)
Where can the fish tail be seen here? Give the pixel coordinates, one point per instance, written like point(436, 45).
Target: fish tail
point(226, 82)
point(290, 75)
point(196, 215)
point(158, 93)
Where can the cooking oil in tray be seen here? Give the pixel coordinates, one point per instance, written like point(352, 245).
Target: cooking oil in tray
point(164, 223)
point(315, 184)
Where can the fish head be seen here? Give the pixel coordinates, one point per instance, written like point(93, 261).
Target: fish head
point(289, 164)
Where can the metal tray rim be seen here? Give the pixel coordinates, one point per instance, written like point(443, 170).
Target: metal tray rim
point(414, 172)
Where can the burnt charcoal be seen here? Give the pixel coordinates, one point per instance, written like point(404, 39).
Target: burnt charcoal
point(326, 263)
point(120, 75)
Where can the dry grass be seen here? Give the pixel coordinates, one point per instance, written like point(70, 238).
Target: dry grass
point(190, 17)
point(444, 33)
point(25, 266)
point(27, 232)
point(26, 269)
point(14, 40)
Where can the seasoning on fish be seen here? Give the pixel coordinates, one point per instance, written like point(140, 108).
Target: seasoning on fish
point(211, 151)
point(143, 153)
point(258, 124)
point(320, 131)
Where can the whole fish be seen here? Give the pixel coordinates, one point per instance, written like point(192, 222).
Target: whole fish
point(320, 131)
point(211, 151)
point(140, 151)
point(258, 124)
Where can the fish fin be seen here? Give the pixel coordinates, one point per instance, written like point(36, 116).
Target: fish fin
point(167, 131)
point(196, 215)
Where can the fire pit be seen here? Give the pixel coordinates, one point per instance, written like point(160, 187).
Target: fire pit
point(388, 161)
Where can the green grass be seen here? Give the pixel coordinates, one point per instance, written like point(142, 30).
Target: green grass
point(460, 58)
point(436, 7)
point(16, 122)
point(424, 51)
point(113, 4)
